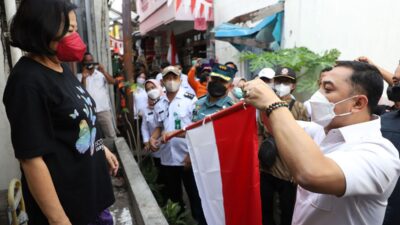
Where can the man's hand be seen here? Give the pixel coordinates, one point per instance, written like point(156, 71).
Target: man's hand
point(147, 146)
point(186, 162)
point(100, 67)
point(365, 60)
point(154, 144)
point(85, 73)
point(198, 62)
point(259, 94)
point(112, 161)
point(165, 135)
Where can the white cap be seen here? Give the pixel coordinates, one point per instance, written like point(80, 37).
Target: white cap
point(267, 73)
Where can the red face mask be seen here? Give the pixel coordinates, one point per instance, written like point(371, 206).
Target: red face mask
point(71, 48)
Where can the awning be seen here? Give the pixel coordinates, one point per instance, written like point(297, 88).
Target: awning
point(265, 35)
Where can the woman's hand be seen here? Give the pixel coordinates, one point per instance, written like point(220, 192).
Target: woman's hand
point(63, 221)
point(154, 144)
point(112, 161)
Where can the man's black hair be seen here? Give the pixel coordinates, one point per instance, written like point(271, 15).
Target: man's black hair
point(326, 69)
point(164, 65)
point(231, 63)
point(37, 23)
point(86, 54)
point(365, 79)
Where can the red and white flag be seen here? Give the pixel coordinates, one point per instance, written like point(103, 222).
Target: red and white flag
point(225, 164)
point(172, 55)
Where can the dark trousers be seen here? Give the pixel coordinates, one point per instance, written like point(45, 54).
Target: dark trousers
point(269, 185)
point(392, 215)
point(174, 176)
point(161, 181)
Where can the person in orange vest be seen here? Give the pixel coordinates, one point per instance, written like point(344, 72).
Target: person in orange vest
point(203, 70)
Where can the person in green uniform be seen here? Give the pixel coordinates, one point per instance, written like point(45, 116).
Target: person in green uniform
point(216, 99)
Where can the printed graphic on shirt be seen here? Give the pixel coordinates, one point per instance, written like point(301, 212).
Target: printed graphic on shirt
point(87, 136)
point(74, 115)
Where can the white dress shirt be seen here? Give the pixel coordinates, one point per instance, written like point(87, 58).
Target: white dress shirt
point(371, 167)
point(149, 124)
point(181, 107)
point(97, 86)
point(140, 101)
point(185, 84)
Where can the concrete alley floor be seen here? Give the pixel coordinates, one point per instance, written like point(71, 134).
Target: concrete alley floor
point(121, 210)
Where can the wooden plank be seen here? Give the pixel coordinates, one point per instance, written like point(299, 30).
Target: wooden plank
point(259, 14)
point(246, 41)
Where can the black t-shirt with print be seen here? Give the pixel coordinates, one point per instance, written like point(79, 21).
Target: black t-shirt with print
point(52, 116)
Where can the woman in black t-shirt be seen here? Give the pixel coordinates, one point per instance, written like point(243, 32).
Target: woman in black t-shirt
point(53, 121)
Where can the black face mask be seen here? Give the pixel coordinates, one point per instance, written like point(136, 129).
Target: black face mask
point(393, 93)
point(216, 89)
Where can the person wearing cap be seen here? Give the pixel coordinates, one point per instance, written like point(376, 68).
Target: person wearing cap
point(202, 71)
point(173, 112)
point(216, 99)
point(232, 65)
point(218, 87)
point(267, 75)
point(163, 65)
point(276, 178)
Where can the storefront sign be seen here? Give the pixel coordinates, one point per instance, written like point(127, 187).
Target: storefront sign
point(147, 7)
point(200, 24)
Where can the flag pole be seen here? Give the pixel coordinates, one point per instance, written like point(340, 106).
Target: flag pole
point(236, 107)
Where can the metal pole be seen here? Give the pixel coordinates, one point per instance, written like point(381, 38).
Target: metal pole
point(11, 9)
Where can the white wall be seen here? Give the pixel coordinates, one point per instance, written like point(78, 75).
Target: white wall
point(8, 165)
point(225, 10)
point(355, 28)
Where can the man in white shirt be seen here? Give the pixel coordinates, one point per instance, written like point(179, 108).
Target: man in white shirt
point(345, 169)
point(96, 83)
point(184, 78)
point(172, 112)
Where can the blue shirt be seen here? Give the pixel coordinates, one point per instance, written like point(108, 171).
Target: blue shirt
point(203, 107)
point(391, 130)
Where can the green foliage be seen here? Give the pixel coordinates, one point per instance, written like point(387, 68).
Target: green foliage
point(306, 63)
point(172, 212)
point(150, 174)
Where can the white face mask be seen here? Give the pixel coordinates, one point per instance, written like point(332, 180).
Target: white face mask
point(140, 80)
point(271, 85)
point(323, 111)
point(154, 94)
point(282, 89)
point(172, 86)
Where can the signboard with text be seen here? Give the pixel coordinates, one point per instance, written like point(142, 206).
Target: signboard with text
point(147, 7)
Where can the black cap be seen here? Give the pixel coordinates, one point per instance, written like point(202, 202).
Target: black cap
point(285, 72)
